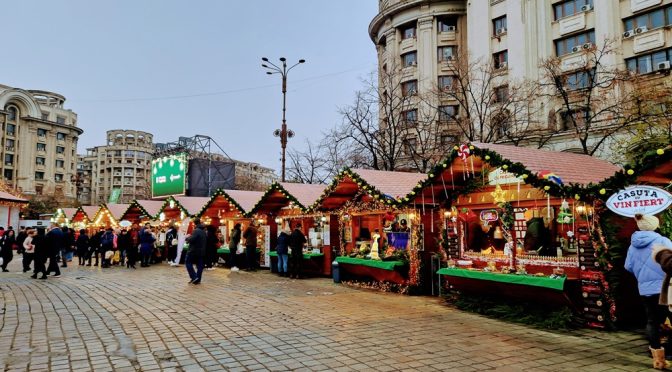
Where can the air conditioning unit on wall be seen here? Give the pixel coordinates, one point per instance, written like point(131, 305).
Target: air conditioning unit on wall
point(640, 30)
point(628, 34)
point(586, 8)
point(665, 65)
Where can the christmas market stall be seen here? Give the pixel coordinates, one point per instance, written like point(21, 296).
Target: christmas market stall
point(378, 241)
point(141, 211)
point(10, 208)
point(109, 215)
point(283, 207)
point(225, 209)
point(63, 216)
point(84, 216)
point(516, 222)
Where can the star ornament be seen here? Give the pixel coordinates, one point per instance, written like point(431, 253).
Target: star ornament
point(499, 195)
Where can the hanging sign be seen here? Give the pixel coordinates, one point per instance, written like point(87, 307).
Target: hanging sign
point(502, 177)
point(646, 200)
point(489, 215)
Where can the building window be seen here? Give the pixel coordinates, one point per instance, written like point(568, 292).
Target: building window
point(647, 63)
point(12, 114)
point(575, 118)
point(58, 177)
point(45, 116)
point(60, 163)
point(501, 59)
point(411, 143)
point(8, 174)
point(60, 136)
point(447, 53)
point(60, 120)
point(499, 26)
point(448, 140)
point(60, 150)
point(579, 80)
point(409, 88)
point(9, 144)
point(446, 83)
point(501, 94)
point(40, 161)
point(410, 59)
point(653, 19)
point(570, 7)
point(410, 116)
point(41, 147)
point(9, 159)
point(448, 24)
point(41, 132)
point(39, 175)
point(408, 32)
point(11, 129)
point(448, 112)
point(573, 43)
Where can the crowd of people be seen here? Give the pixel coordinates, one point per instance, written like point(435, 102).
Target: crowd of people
point(48, 250)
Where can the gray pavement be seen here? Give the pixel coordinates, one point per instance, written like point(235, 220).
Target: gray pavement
point(151, 319)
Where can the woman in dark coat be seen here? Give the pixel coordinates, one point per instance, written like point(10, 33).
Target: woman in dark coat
point(125, 244)
point(146, 246)
point(42, 253)
point(8, 249)
point(233, 245)
point(82, 244)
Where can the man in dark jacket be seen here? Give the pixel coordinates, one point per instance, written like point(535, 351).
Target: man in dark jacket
point(20, 238)
point(196, 254)
point(296, 242)
point(95, 246)
point(250, 236)
point(55, 243)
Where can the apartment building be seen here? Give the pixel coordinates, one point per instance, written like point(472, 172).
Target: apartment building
point(121, 168)
point(424, 37)
point(39, 141)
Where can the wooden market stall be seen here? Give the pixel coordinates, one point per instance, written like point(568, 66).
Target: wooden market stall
point(517, 221)
point(379, 242)
point(226, 208)
point(109, 215)
point(63, 216)
point(140, 211)
point(10, 207)
point(84, 216)
point(283, 206)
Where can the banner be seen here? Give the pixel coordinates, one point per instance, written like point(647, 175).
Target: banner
point(645, 200)
point(114, 196)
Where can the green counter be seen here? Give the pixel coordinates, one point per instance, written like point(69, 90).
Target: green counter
point(227, 251)
point(385, 265)
point(530, 280)
point(306, 256)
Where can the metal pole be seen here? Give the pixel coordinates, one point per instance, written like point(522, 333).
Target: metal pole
point(283, 132)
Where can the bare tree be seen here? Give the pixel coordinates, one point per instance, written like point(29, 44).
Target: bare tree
point(597, 99)
point(309, 165)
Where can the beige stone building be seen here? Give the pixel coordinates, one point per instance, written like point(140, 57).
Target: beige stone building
point(123, 164)
point(39, 142)
point(423, 37)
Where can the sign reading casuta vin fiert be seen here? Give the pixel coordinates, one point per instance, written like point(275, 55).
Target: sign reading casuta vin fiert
point(168, 175)
point(639, 200)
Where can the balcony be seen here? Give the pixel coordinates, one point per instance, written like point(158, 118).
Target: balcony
point(646, 41)
point(42, 137)
point(573, 23)
point(408, 45)
point(447, 36)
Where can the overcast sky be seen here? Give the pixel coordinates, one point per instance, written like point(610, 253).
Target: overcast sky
point(179, 68)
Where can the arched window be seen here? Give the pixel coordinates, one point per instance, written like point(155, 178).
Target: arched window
point(12, 113)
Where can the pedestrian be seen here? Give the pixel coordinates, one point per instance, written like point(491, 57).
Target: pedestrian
point(54, 245)
point(171, 243)
point(162, 244)
point(107, 247)
point(250, 236)
point(65, 248)
point(282, 250)
point(211, 248)
point(650, 279)
point(42, 253)
point(20, 237)
point(96, 249)
point(7, 249)
point(83, 247)
point(296, 242)
point(28, 249)
point(197, 251)
point(146, 245)
point(125, 244)
point(234, 240)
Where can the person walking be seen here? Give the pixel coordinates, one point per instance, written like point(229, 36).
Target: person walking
point(83, 247)
point(68, 246)
point(234, 240)
point(7, 249)
point(125, 245)
point(54, 245)
point(20, 237)
point(107, 247)
point(211, 247)
point(296, 242)
point(28, 249)
point(146, 246)
point(250, 236)
point(197, 251)
point(96, 247)
point(650, 278)
point(283, 250)
point(42, 253)
point(171, 243)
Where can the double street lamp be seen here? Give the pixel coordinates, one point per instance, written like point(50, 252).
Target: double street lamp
point(283, 133)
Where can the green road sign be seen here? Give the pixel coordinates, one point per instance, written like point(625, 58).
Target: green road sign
point(169, 175)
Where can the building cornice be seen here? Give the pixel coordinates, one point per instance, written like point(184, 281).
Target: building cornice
point(393, 10)
point(53, 123)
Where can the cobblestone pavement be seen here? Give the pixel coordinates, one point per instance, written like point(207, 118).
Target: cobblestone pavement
point(151, 320)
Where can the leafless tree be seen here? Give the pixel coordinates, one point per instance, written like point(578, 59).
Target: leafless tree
point(308, 165)
point(597, 99)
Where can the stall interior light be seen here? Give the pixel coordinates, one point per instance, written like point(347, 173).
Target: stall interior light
point(411, 216)
point(278, 220)
point(172, 204)
point(162, 216)
point(447, 214)
point(323, 218)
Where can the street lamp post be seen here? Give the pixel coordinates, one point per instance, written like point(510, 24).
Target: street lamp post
point(283, 133)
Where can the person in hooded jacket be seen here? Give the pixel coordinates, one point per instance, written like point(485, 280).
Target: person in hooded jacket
point(650, 276)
